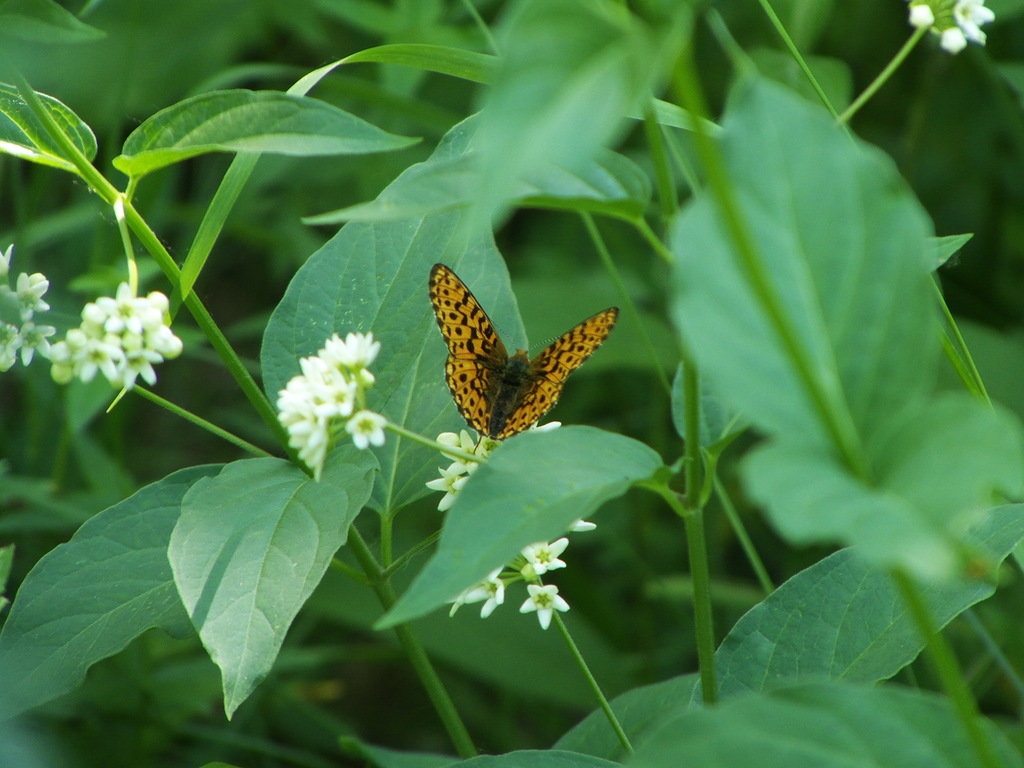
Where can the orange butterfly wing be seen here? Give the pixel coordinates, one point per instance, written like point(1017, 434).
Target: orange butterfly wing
point(550, 369)
point(476, 356)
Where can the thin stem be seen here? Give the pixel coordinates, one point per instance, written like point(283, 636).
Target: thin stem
point(744, 538)
point(667, 199)
point(947, 668)
point(627, 300)
point(455, 453)
point(482, 26)
point(199, 421)
point(780, 29)
point(654, 241)
point(693, 520)
point(998, 656)
point(386, 541)
point(602, 700)
point(883, 76)
point(345, 569)
point(410, 553)
point(414, 651)
point(958, 347)
point(827, 401)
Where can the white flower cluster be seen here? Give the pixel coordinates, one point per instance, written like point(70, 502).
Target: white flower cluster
point(957, 22)
point(18, 305)
point(331, 386)
point(454, 477)
point(122, 337)
point(533, 562)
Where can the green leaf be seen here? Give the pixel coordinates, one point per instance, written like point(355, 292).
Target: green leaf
point(457, 62)
point(251, 545)
point(379, 757)
point(372, 277)
point(717, 421)
point(915, 515)
point(531, 489)
point(529, 758)
point(249, 121)
point(6, 560)
point(825, 725)
point(639, 711)
point(569, 75)
point(843, 619)
point(87, 599)
point(849, 270)
point(43, 21)
point(23, 135)
point(610, 185)
point(947, 246)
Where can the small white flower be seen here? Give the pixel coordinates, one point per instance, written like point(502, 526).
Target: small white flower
point(451, 481)
point(581, 526)
point(921, 16)
point(545, 600)
point(543, 557)
point(952, 40)
point(35, 337)
point(491, 590)
point(366, 428)
point(5, 261)
point(30, 290)
point(358, 350)
point(970, 15)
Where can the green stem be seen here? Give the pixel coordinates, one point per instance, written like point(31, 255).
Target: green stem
point(667, 199)
point(410, 553)
point(627, 300)
point(883, 76)
point(654, 241)
point(827, 401)
point(345, 569)
point(482, 26)
point(947, 668)
point(780, 29)
point(997, 655)
point(414, 651)
point(744, 538)
point(199, 421)
point(602, 700)
point(455, 453)
point(956, 350)
point(703, 621)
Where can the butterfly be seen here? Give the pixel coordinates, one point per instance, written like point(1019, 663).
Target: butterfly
point(498, 395)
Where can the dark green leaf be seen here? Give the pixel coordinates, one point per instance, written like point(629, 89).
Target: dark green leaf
point(43, 21)
point(249, 121)
point(88, 598)
point(23, 135)
point(251, 545)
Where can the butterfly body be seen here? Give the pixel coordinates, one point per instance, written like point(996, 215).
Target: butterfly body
point(500, 395)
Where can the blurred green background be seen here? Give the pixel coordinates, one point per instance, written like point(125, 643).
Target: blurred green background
point(953, 125)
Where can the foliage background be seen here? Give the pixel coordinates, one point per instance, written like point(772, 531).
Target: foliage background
point(953, 125)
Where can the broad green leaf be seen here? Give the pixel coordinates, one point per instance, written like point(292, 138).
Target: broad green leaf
point(848, 270)
point(457, 62)
point(531, 489)
point(529, 758)
point(569, 75)
point(842, 619)
point(251, 545)
point(249, 121)
point(379, 757)
point(23, 135)
point(610, 185)
point(639, 712)
point(833, 75)
point(372, 277)
point(43, 21)
point(825, 725)
point(87, 599)
point(915, 515)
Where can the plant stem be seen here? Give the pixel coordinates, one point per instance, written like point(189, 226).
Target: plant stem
point(783, 34)
point(667, 200)
point(199, 421)
point(947, 668)
point(455, 453)
point(627, 300)
point(620, 733)
point(653, 240)
point(414, 651)
point(883, 76)
point(744, 538)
